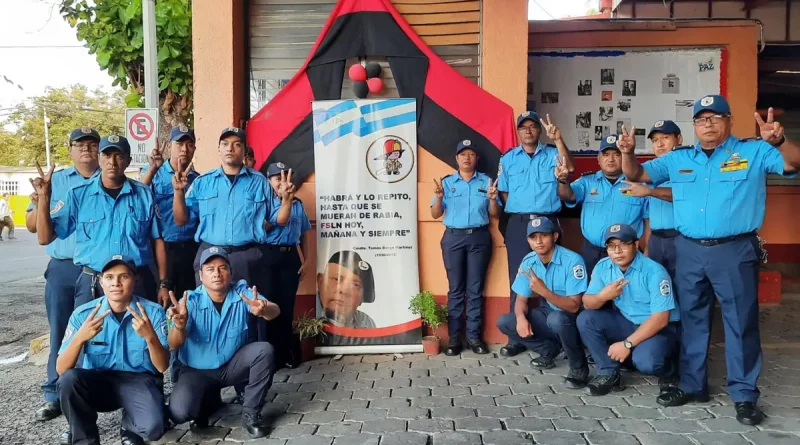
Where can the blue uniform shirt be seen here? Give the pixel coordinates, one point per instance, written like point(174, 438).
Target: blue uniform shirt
point(648, 292)
point(105, 226)
point(117, 347)
point(231, 214)
point(465, 203)
point(564, 276)
point(164, 194)
point(604, 205)
point(530, 181)
point(722, 196)
point(288, 235)
point(213, 338)
point(661, 212)
point(61, 182)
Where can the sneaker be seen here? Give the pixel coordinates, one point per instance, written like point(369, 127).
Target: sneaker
point(543, 362)
point(577, 378)
point(604, 384)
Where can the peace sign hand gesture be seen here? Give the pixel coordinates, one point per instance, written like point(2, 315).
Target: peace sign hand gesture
point(626, 142)
point(178, 312)
point(491, 192)
point(156, 157)
point(771, 131)
point(257, 306)
point(614, 289)
point(91, 326)
point(141, 323)
point(180, 180)
point(438, 190)
point(286, 189)
point(42, 185)
point(536, 283)
point(636, 189)
point(561, 171)
point(552, 131)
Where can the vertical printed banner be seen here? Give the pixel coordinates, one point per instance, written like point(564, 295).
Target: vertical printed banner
point(365, 154)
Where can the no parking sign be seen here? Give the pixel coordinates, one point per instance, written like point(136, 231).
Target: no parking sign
point(141, 125)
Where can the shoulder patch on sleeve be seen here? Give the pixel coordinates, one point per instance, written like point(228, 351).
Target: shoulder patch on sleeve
point(664, 288)
point(68, 333)
point(163, 326)
point(296, 199)
point(59, 205)
point(579, 272)
point(589, 173)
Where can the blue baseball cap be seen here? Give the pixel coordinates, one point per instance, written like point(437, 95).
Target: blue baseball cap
point(666, 127)
point(528, 115)
point(276, 168)
point(181, 131)
point(713, 102)
point(465, 144)
point(120, 259)
point(115, 141)
point(622, 232)
point(233, 131)
point(213, 252)
point(609, 141)
point(541, 224)
point(84, 133)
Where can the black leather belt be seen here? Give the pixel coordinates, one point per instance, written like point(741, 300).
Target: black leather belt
point(467, 231)
point(180, 244)
point(230, 249)
point(665, 233)
point(89, 271)
point(530, 216)
point(279, 248)
point(718, 241)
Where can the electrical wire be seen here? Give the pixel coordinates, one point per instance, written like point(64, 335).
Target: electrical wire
point(545, 11)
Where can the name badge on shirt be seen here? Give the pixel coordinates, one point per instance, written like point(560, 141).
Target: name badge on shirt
point(594, 192)
point(686, 171)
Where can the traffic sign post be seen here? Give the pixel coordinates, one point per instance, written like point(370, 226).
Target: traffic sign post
point(141, 125)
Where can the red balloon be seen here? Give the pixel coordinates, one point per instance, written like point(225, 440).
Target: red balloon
point(357, 73)
point(375, 85)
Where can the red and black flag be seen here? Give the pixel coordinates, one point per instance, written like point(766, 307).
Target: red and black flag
point(450, 108)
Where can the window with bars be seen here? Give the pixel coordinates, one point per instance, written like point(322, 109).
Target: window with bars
point(10, 187)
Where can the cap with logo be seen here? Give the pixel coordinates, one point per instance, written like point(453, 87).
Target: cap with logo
point(622, 232)
point(115, 142)
point(233, 131)
point(211, 253)
point(248, 151)
point(120, 259)
point(609, 141)
point(181, 131)
point(666, 127)
point(276, 168)
point(463, 145)
point(713, 102)
point(527, 116)
point(84, 133)
point(354, 263)
point(541, 225)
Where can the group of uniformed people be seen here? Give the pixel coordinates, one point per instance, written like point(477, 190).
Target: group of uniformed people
point(689, 217)
point(209, 238)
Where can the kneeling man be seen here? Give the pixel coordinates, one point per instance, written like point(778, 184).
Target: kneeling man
point(557, 275)
point(209, 331)
point(641, 325)
point(124, 355)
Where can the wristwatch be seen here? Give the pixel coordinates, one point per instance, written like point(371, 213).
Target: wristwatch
point(627, 344)
point(563, 181)
point(165, 284)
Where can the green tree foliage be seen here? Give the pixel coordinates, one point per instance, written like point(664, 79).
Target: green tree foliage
point(22, 141)
point(112, 30)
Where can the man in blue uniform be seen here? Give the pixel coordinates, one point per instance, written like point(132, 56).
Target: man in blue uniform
point(719, 198)
point(209, 332)
point(61, 273)
point(109, 214)
point(604, 202)
point(641, 323)
point(558, 276)
point(234, 205)
point(124, 353)
point(528, 189)
point(179, 240)
point(466, 199)
point(284, 258)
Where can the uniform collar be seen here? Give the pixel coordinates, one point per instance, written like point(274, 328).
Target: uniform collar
point(104, 306)
point(602, 177)
point(458, 177)
point(96, 186)
point(167, 166)
point(69, 171)
point(636, 264)
point(204, 301)
point(219, 172)
point(555, 259)
point(727, 143)
point(539, 147)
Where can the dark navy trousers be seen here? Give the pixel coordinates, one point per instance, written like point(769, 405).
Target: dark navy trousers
point(59, 301)
point(516, 239)
point(730, 270)
point(592, 255)
point(282, 264)
point(601, 328)
point(84, 393)
point(552, 331)
point(466, 257)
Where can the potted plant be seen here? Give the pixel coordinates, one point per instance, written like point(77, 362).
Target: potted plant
point(433, 315)
point(307, 329)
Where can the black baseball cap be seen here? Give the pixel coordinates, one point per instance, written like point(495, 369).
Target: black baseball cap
point(120, 259)
point(84, 133)
point(352, 261)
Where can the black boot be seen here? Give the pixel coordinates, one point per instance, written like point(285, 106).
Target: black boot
point(604, 384)
point(577, 378)
point(128, 438)
point(748, 414)
point(252, 423)
point(679, 397)
point(477, 345)
point(544, 362)
point(48, 411)
point(453, 347)
point(510, 350)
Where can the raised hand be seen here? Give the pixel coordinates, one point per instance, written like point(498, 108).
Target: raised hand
point(626, 141)
point(438, 190)
point(536, 283)
point(636, 189)
point(302, 271)
point(614, 289)
point(491, 192)
point(156, 158)
point(178, 312)
point(561, 171)
point(92, 325)
point(141, 323)
point(257, 306)
point(34, 198)
point(552, 131)
point(286, 189)
point(180, 180)
point(42, 185)
point(771, 131)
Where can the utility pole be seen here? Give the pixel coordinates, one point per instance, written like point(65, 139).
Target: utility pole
point(46, 136)
point(150, 54)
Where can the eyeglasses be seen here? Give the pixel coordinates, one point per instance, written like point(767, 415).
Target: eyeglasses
point(714, 119)
point(527, 129)
point(85, 147)
point(612, 247)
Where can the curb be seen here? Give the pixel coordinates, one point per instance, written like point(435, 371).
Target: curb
point(39, 343)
